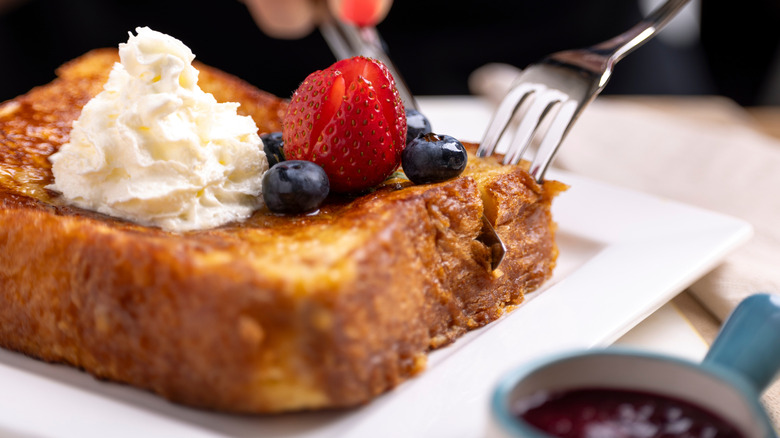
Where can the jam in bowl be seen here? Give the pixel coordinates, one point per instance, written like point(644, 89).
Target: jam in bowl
point(608, 412)
point(612, 392)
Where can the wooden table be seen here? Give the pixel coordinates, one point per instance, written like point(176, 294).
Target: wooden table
point(766, 118)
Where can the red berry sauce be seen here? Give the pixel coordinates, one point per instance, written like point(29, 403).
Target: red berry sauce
point(613, 413)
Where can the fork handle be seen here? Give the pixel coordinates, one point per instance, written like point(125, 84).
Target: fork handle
point(618, 47)
point(346, 40)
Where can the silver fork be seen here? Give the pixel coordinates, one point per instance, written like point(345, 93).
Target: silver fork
point(557, 89)
point(345, 41)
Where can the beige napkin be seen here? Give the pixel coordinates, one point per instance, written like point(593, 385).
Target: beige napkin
point(701, 151)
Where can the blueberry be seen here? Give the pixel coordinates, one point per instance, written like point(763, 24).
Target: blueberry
point(433, 158)
point(416, 124)
point(295, 186)
point(273, 146)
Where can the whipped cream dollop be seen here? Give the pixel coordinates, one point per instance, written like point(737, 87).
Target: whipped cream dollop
point(155, 149)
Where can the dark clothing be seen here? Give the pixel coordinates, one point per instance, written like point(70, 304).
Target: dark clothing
point(436, 44)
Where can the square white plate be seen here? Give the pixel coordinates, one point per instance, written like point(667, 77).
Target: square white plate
point(623, 255)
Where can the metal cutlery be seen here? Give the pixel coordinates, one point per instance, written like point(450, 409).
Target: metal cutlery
point(555, 91)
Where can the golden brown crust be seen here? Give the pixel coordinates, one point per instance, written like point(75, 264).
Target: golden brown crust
point(274, 314)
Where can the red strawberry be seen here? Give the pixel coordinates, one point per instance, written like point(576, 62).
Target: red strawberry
point(350, 120)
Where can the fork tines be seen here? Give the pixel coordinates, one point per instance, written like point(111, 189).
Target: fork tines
point(546, 113)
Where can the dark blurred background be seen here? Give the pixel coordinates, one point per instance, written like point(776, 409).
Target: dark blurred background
point(436, 44)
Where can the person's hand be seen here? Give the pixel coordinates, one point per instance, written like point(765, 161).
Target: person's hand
point(288, 19)
point(297, 18)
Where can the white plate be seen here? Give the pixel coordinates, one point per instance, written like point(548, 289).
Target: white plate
point(623, 255)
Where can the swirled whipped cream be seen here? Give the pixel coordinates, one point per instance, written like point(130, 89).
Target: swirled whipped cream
point(155, 149)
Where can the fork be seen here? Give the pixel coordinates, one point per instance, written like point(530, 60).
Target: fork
point(557, 89)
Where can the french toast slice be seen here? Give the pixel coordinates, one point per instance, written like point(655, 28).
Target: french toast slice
point(277, 313)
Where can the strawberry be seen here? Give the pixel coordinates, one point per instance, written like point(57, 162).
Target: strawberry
point(350, 120)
